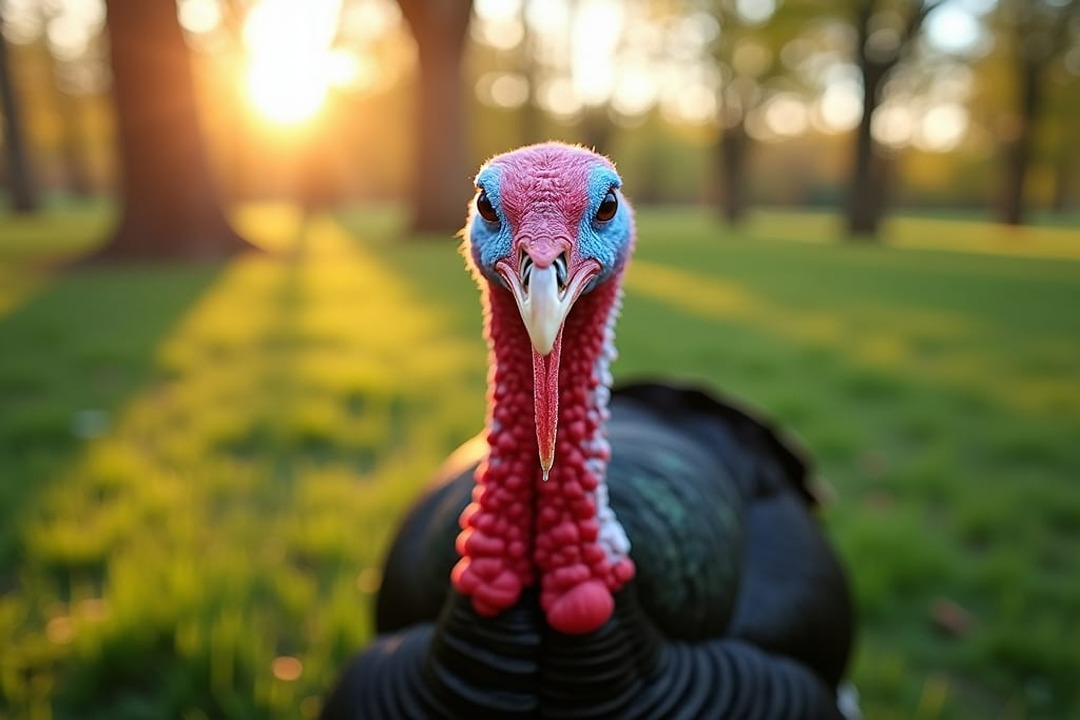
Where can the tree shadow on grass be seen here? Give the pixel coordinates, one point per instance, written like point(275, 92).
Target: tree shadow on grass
point(71, 356)
point(111, 386)
point(250, 460)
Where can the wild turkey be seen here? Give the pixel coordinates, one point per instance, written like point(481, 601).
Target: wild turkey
point(650, 552)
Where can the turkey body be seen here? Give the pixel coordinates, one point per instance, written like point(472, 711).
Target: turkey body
point(651, 552)
point(739, 607)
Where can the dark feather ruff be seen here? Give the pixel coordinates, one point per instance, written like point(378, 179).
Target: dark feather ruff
point(740, 608)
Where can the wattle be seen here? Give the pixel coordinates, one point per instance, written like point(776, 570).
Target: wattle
point(520, 526)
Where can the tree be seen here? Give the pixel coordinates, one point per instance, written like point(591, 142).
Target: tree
point(441, 161)
point(1067, 154)
point(532, 120)
point(747, 52)
point(886, 31)
point(1040, 34)
point(171, 204)
point(21, 184)
point(738, 94)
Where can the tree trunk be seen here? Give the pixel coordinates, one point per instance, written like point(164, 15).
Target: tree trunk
point(1062, 182)
point(862, 219)
point(76, 173)
point(20, 182)
point(733, 176)
point(866, 194)
point(532, 121)
point(649, 188)
point(171, 202)
point(320, 186)
point(441, 176)
point(1018, 149)
point(596, 128)
point(730, 155)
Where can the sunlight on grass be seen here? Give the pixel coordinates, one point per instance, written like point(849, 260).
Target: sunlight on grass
point(30, 244)
point(936, 396)
point(885, 339)
point(62, 233)
point(927, 233)
point(271, 226)
point(714, 296)
point(16, 284)
point(202, 479)
point(990, 238)
point(220, 518)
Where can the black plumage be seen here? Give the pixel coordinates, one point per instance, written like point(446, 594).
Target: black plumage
point(739, 609)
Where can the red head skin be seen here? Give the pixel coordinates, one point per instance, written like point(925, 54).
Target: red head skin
point(546, 409)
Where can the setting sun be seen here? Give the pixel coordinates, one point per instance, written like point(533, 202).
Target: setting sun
point(291, 64)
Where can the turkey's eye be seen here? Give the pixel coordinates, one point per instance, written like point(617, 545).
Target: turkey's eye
point(485, 208)
point(607, 208)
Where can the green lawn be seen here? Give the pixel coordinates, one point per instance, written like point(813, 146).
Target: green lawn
point(199, 466)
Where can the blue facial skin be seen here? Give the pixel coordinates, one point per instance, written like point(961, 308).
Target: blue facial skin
point(607, 242)
point(490, 242)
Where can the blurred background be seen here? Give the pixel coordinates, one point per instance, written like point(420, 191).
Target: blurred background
point(236, 336)
point(969, 104)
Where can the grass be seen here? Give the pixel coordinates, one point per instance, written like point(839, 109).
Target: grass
point(199, 467)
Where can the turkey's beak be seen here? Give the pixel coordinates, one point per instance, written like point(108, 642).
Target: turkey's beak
point(544, 297)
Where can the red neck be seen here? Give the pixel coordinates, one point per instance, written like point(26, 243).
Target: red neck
point(520, 527)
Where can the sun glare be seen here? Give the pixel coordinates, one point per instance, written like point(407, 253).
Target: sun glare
point(291, 64)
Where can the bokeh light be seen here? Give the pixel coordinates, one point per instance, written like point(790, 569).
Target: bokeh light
point(291, 66)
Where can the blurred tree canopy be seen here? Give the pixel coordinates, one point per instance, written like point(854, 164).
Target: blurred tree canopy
point(748, 48)
point(885, 31)
point(1036, 35)
point(861, 105)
